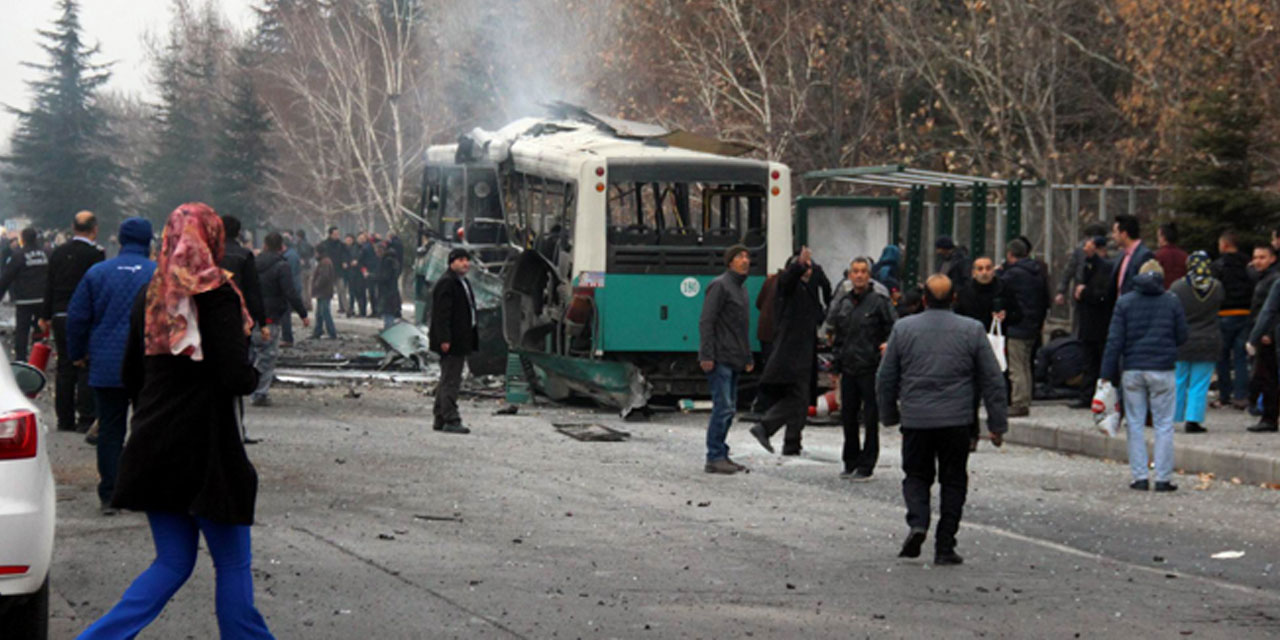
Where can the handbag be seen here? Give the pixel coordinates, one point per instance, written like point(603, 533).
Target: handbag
point(995, 337)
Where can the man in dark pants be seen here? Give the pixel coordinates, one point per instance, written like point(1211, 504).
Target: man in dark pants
point(932, 366)
point(988, 300)
point(724, 351)
point(453, 337)
point(1265, 382)
point(1232, 270)
point(794, 349)
point(67, 265)
point(280, 297)
point(1093, 307)
point(356, 303)
point(860, 322)
point(98, 329)
point(25, 276)
point(367, 268)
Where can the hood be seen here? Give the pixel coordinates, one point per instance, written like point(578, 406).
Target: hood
point(135, 231)
point(891, 254)
point(1149, 284)
point(1028, 265)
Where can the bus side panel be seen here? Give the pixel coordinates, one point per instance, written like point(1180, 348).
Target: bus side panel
point(640, 312)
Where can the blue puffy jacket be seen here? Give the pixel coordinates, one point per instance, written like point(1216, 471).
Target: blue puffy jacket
point(98, 316)
point(1147, 328)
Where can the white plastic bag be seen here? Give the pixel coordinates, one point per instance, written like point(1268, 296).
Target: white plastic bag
point(1106, 408)
point(996, 338)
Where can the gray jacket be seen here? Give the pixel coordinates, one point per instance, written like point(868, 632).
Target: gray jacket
point(935, 365)
point(723, 329)
point(1204, 337)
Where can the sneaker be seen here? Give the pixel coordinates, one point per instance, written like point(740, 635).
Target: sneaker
point(1165, 487)
point(758, 432)
point(947, 558)
point(911, 546)
point(1196, 427)
point(455, 427)
point(722, 467)
point(1140, 485)
point(1263, 427)
point(260, 401)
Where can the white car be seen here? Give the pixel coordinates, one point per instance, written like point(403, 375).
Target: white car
point(26, 506)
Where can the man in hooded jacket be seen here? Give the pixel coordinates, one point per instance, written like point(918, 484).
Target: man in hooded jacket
point(1026, 281)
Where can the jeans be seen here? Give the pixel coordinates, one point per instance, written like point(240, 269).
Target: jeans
point(724, 404)
point(944, 453)
point(1020, 371)
point(176, 538)
point(285, 327)
point(324, 319)
point(72, 394)
point(445, 408)
point(113, 421)
point(858, 400)
point(1192, 389)
point(1233, 361)
point(265, 353)
point(1152, 390)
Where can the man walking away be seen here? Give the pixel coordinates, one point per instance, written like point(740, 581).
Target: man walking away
point(724, 351)
point(244, 271)
point(389, 282)
point(1093, 306)
point(790, 368)
point(1264, 384)
point(1146, 330)
point(1232, 270)
point(279, 297)
point(67, 265)
point(322, 285)
point(860, 321)
point(1201, 297)
point(1026, 281)
point(935, 364)
point(453, 336)
point(1170, 256)
point(25, 277)
point(98, 330)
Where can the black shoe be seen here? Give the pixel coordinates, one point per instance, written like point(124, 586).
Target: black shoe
point(1165, 487)
point(1263, 427)
point(758, 432)
point(791, 451)
point(248, 440)
point(860, 475)
point(91, 439)
point(947, 558)
point(911, 546)
point(1196, 427)
point(454, 428)
point(1140, 485)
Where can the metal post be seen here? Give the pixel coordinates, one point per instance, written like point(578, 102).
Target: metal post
point(1133, 201)
point(1013, 209)
point(1048, 226)
point(931, 235)
point(915, 215)
point(1102, 207)
point(947, 212)
point(978, 220)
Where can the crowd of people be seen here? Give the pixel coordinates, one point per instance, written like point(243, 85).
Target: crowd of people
point(1156, 325)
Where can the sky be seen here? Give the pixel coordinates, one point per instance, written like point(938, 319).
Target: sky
point(117, 25)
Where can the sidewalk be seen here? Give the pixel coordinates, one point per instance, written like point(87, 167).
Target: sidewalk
point(1227, 450)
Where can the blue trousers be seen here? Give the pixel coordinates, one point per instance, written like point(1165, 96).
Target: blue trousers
point(1193, 390)
point(113, 422)
point(324, 319)
point(1152, 390)
point(724, 404)
point(176, 537)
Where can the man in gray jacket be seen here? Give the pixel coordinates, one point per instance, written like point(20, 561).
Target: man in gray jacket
point(934, 366)
point(724, 351)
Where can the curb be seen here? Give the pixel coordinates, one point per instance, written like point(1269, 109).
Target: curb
point(1249, 468)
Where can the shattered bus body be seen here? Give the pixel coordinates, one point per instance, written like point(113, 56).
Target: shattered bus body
point(610, 232)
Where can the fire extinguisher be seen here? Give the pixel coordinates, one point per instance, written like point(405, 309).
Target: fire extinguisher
point(39, 357)
point(827, 403)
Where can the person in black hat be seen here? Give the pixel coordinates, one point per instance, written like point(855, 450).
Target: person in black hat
point(453, 336)
point(951, 261)
point(724, 352)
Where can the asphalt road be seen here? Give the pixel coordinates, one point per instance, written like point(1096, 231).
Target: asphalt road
point(525, 533)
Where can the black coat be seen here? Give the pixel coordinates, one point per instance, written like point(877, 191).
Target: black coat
point(244, 271)
point(861, 323)
point(798, 314)
point(67, 265)
point(184, 453)
point(1026, 281)
point(1095, 304)
point(279, 293)
point(978, 301)
point(26, 276)
point(452, 314)
point(389, 283)
point(1232, 270)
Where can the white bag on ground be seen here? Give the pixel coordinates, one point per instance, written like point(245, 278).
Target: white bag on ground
point(1106, 408)
point(996, 338)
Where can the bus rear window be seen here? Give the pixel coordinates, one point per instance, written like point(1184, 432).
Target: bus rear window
point(643, 213)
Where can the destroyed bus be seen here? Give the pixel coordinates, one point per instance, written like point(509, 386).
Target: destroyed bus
point(596, 238)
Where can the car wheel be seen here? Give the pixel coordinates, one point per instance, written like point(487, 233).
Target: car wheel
point(27, 616)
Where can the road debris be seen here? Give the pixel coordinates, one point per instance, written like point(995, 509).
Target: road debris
point(1227, 555)
point(591, 432)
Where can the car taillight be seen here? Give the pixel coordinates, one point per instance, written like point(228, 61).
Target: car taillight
point(18, 435)
point(13, 569)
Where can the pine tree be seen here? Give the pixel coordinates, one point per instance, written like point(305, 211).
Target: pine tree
point(58, 162)
point(243, 155)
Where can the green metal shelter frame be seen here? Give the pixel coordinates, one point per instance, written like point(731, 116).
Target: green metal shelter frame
point(917, 182)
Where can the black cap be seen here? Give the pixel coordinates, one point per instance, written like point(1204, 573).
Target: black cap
point(458, 254)
point(944, 242)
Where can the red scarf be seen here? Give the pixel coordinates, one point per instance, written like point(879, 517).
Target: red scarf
point(190, 249)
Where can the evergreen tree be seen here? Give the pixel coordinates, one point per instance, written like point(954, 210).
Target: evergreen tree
point(59, 162)
point(243, 155)
point(1218, 181)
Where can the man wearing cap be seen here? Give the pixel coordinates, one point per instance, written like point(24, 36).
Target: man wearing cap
point(453, 336)
point(724, 351)
point(951, 261)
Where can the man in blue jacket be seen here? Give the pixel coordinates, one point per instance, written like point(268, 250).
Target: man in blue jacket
point(1147, 327)
point(97, 332)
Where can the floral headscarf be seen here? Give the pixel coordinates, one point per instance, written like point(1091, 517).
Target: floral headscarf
point(1199, 275)
point(190, 250)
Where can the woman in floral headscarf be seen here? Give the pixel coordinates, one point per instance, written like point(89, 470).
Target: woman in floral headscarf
point(1201, 296)
point(185, 464)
